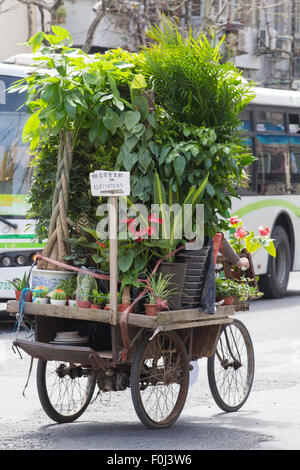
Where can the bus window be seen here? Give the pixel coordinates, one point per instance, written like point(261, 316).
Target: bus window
point(266, 121)
point(273, 155)
point(294, 124)
point(246, 123)
point(15, 169)
point(295, 163)
point(15, 172)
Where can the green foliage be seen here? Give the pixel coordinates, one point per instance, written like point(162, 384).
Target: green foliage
point(168, 115)
point(19, 284)
point(160, 287)
point(241, 290)
point(98, 297)
point(189, 81)
point(69, 286)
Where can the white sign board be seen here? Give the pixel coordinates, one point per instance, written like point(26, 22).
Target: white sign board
point(110, 183)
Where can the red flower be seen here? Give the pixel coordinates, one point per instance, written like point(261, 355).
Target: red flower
point(264, 231)
point(240, 233)
point(101, 244)
point(140, 233)
point(127, 221)
point(153, 218)
point(234, 220)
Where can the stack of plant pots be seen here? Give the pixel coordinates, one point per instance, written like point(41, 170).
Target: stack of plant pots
point(194, 277)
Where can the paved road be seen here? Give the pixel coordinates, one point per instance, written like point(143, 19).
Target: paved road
point(270, 419)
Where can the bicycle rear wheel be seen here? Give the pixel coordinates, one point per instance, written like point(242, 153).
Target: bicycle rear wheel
point(159, 380)
point(231, 368)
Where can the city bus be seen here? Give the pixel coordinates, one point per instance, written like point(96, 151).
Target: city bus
point(271, 123)
point(17, 244)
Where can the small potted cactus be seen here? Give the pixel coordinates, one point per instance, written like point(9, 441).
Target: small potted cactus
point(58, 297)
point(40, 295)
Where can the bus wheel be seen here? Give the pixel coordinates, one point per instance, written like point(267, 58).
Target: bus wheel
point(274, 284)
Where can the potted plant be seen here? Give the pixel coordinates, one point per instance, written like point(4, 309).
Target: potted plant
point(19, 285)
point(226, 290)
point(41, 295)
point(69, 287)
point(121, 305)
point(85, 286)
point(98, 299)
point(159, 293)
point(58, 297)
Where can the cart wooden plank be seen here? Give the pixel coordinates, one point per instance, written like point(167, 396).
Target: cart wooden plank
point(177, 326)
point(174, 319)
point(72, 313)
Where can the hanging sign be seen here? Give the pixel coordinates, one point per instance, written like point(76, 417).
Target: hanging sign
point(110, 183)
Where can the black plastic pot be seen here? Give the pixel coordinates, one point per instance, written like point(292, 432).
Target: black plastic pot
point(195, 274)
point(178, 271)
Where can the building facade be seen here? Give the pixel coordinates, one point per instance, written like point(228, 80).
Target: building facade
point(263, 36)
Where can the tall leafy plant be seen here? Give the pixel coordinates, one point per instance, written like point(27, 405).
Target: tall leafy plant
point(189, 80)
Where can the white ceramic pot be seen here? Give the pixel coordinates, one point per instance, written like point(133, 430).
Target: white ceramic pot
point(72, 303)
point(40, 300)
point(57, 302)
point(49, 279)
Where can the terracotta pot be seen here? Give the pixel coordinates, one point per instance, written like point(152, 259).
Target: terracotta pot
point(227, 300)
point(151, 309)
point(121, 307)
point(28, 296)
point(83, 303)
point(96, 307)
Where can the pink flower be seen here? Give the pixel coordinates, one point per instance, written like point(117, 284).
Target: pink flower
point(101, 244)
point(264, 231)
point(240, 233)
point(234, 220)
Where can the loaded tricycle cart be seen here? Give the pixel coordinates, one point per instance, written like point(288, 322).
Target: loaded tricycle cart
point(79, 348)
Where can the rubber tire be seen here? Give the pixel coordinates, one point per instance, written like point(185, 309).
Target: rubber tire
point(135, 385)
point(212, 375)
point(273, 287)
point(46, 403)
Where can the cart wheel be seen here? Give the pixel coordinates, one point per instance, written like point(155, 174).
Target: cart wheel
point(159, 380)
point(64, 391)
point(231, 368)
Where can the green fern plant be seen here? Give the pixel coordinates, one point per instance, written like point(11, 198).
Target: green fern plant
point(189, 80)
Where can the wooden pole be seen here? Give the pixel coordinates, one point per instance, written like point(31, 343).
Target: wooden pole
point(113, 262)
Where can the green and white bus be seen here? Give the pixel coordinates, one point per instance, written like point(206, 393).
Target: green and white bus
point(272, 198)
point(17, 247)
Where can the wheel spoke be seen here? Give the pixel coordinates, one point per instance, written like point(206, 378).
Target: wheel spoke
point(160, 380)
point(63, 394)
point(231, 368)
